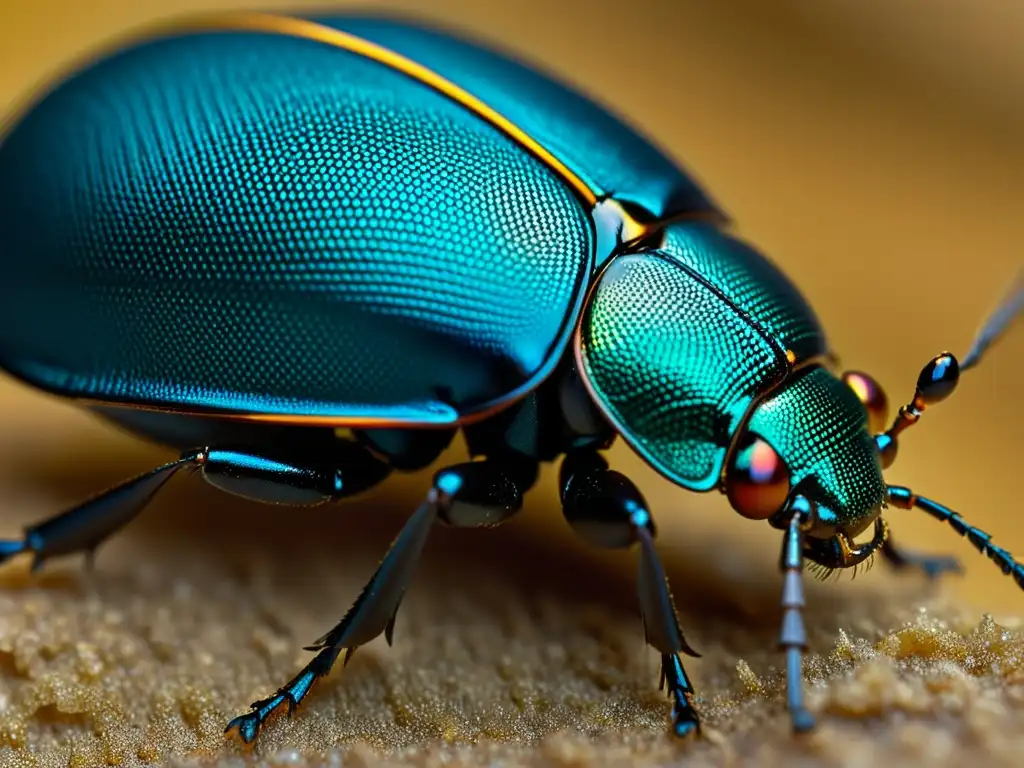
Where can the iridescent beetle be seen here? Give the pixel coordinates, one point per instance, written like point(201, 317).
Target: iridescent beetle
point(307, 251)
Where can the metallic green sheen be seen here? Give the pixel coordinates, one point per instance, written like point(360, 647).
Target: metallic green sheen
point(751, 282)
point(818, 426)
point(599, 147)
point(673, 364)
point(251, 222)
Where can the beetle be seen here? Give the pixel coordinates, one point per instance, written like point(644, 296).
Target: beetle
point(306, 252)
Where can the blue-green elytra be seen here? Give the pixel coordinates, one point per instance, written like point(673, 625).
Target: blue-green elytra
point(306, 253)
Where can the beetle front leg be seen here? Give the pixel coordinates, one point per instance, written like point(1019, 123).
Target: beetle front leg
point(793, 635)
point(608, 510)
point(474, 494)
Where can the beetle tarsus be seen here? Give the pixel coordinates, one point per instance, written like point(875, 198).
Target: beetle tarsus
point(803, 721)
point(9, 549)
point(685, 721)
point(932, 566)
point(248, 726)
point(245, 726)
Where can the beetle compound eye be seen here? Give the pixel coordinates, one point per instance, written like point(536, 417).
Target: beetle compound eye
point(757, 481)
point(871, 396)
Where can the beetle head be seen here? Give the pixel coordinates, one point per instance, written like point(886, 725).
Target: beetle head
point(808, 443)
point(808, 448)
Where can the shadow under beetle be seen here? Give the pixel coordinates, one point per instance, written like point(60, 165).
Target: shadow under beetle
point(307, 251)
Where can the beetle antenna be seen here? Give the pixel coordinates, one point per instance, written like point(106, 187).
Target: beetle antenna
point(904, 498)
point(936, 382)
point(939, 378)
point(1008, 310)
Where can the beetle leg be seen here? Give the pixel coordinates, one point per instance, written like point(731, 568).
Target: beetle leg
point(84, 527)
point(608, 510)
point(931, 566)
point(371, 614)
point(342, 469)
point(474, 494)
point(793, 635)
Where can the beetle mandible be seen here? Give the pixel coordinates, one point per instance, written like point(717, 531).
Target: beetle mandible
point(306, 252)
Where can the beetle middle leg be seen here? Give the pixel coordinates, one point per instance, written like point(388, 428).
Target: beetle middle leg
point(474, 494)
point(608, 510)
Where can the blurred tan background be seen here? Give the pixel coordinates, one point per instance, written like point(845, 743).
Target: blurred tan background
point(872, 149)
